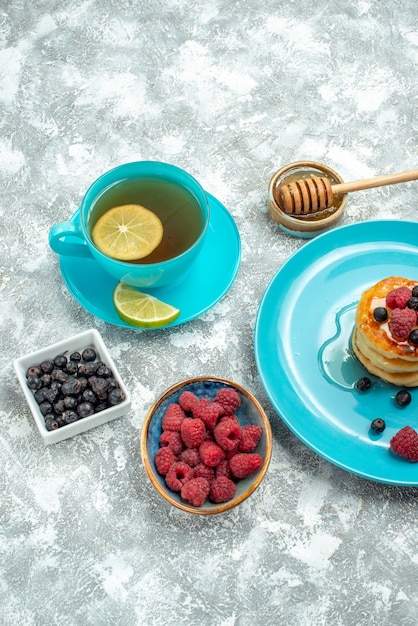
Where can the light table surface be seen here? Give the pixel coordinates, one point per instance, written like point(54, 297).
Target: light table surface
point(230, 91)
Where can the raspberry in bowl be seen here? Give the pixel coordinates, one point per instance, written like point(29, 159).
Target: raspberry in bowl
point(206, 445)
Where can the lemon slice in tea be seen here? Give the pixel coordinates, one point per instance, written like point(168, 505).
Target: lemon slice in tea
point(128, 232)
point(141, 309)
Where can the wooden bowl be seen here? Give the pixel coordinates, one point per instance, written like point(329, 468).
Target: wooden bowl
point(249, 412)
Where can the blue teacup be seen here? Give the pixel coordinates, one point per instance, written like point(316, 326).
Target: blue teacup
point(173, 194)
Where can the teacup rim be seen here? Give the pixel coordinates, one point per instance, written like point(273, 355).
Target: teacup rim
point(107, 174)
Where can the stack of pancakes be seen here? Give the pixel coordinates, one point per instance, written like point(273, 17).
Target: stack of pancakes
point(380, 352)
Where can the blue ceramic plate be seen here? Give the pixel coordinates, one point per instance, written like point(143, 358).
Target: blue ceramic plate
point(303, 354)
point(209, 279)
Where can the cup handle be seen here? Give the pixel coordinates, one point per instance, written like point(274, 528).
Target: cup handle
point(57, 241)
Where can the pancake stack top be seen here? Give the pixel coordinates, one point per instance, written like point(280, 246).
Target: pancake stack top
point(385, 338)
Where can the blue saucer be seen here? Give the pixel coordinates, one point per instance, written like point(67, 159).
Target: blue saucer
point(208, 281)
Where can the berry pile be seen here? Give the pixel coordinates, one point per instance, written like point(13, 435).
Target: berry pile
point(204, 450)
point(71, 388)
point(402, 312)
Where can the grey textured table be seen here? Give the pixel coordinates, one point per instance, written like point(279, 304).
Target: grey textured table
point(229, 91)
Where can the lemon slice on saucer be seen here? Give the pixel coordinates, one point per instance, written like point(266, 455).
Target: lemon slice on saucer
point(141, 309)
point(127, 232)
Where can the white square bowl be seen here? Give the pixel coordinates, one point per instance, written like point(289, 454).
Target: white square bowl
point(87, 339)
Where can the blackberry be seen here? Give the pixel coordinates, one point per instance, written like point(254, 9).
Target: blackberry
point(69, 417)
point(71, 367)
point(40, 395)
point(60, 361)
point(115, 396)
point(99, 386)
point(59, 407)
point(89, 354)
point(85, 409)
point(83, 382)
point(71, 387)
point(87, 369)
point(378, 425)
point(364, 383)
point(47, 366)
point(52, 395)
point(104, 372)
point(403, 398)
point(34, 382)
point(70, 402)
point(59, 375)
point(88, 395)
point(380, 314)
point(45, 407)
point(51, 423)
point(46, 380)
point(59, 421)
point(413, 336)
point(33, 370)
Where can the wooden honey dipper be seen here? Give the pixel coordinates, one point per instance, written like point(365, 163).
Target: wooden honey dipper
point(314, 194)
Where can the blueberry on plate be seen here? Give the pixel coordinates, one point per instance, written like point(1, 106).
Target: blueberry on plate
point(378, 425)
point(364, 383)
point(403, 398)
